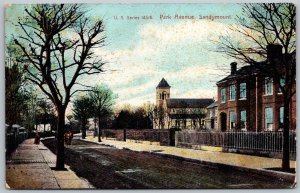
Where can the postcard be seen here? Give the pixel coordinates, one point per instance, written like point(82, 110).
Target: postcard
point(150, 96)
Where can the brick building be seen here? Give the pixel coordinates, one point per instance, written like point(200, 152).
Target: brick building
point(251, 101)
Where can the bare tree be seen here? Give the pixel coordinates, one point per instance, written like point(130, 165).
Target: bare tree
point(262, 25)
point(57, 44)
point(159, 116)
point(148, 108)
point(198, 117)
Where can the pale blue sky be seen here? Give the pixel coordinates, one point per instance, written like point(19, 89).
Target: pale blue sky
point(140, 52)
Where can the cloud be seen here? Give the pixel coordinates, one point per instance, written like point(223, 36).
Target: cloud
point(181, 52)
point(195, 31)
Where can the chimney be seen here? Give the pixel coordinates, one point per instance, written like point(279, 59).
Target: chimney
point(274, 52)
point(233, 67)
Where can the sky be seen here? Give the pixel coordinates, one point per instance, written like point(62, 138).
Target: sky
point(140, 52)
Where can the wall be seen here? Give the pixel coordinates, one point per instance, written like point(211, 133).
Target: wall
point(153, 135)
point(254, 104)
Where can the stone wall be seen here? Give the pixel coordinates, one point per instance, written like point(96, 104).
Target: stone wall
point(152, 135)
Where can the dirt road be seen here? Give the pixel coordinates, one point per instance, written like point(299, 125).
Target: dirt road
point(110, 168)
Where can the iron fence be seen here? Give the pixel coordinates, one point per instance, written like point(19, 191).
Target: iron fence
point(260, 141)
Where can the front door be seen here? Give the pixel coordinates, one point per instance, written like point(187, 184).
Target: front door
point(223, 120)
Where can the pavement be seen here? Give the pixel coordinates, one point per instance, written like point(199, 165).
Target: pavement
point(232, 159)
point(29, 167)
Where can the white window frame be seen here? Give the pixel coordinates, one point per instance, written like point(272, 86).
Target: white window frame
point(244, 91)
point(268, 80)
point(245, 127)
point(269, 126)
point(223, 93)
point(232, 124)
point(281, 116)
point(281, 83)
point(232, 92)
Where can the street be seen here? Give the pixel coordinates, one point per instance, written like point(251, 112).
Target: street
point(110, 168)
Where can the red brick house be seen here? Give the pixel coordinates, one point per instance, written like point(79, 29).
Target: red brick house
point(250, 101)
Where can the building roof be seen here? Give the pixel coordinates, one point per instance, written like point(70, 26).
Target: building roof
point(163, 84)
point(263, 68)
point(188, 103)
point(212, 105)
point(185, 116)
point(244, 71)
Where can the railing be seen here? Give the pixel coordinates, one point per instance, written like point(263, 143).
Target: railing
point(261, 141)
point(14, 136)
point(189, 138)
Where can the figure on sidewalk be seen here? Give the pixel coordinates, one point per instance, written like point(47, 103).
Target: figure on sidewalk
point(68, 137)
point(37, 138)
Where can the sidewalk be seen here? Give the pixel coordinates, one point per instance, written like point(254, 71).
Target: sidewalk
point(29, 168)
point(239, 160)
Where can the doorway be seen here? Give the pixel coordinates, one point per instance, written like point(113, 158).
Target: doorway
point(223, 121)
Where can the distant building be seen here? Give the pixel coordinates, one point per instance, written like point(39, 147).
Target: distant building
point(250, 101)
point(211, 120)
point(178, 112)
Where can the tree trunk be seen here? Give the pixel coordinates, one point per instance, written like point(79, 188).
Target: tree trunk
point(60, 151)
point(95, 127)
point(286, 125)
point(83, 130)
point(124, 134)
point(99, 130)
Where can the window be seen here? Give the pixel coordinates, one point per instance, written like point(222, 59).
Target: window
point(211, 113)
point(281, 117)
point(282, 84)
point(232, 120)
point(243, 120)
point(268, 86)
point(232, 92)
point(223, 95)
point(177, 123)
point(269, 119)
point(243, 91)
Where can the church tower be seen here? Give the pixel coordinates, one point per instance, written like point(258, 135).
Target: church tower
point(162, 93)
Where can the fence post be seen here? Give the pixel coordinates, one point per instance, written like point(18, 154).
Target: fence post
point(124, 134)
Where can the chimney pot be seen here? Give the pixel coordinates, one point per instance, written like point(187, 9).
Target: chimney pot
point(274, 51)
point(233, 67)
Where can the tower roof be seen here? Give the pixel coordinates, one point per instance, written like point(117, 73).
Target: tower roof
point(163, 84)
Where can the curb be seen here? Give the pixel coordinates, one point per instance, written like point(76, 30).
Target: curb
point(268, 173)
point(282, 176)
